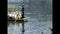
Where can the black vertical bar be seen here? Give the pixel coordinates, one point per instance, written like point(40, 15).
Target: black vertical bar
point(22, 11)
point(22, 20)
point(23, 27)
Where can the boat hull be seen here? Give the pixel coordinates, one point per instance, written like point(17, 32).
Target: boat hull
point(19, 20)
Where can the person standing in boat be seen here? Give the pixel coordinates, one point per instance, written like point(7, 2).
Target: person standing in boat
point(22, 10)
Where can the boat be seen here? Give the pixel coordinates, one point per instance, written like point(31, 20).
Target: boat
point(16, 16)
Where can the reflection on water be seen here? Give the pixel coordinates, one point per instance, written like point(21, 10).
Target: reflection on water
point(40, 20)
point(33, 26)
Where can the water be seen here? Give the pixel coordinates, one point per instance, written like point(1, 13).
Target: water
point(40, 19)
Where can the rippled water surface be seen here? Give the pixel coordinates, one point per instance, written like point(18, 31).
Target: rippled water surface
point(40, 19)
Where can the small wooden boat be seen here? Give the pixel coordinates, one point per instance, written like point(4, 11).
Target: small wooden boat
point(16, 16)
